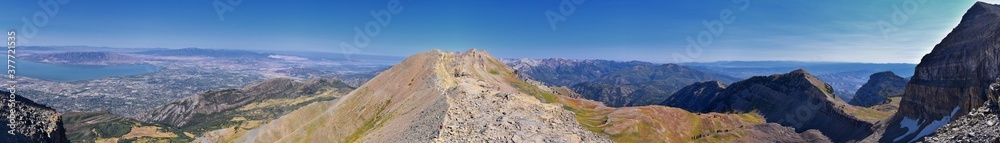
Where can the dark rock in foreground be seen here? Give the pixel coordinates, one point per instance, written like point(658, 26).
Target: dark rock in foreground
point(35, 123)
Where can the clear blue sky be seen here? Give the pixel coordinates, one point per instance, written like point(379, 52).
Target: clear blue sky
point(646, 30)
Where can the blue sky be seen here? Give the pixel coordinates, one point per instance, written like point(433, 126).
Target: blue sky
point(645, 30)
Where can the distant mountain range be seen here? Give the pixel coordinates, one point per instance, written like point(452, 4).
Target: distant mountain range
point(643, 85)
point(83, 58)
point(846, 78)
point(218, 53)
point(782, 99)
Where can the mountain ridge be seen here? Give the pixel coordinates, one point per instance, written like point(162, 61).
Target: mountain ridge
point(781, 98)
point(952, 80)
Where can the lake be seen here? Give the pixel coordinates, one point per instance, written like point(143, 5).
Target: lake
point(68, 73)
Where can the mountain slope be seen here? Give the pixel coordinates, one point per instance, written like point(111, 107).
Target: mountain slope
point(880, 87)
point(218, 53)
point(694, 97)
point(643, 85)
point(102, 126)
point(248, 106)
point(797, 99)
point(471, 97)
point(953, 79)
point(83, 58)
point(428, 97)
point(33, 122)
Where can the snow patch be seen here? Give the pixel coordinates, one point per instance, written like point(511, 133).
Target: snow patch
point(912, 125)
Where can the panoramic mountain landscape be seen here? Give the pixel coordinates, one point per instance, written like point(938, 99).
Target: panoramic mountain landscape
point(588, 74)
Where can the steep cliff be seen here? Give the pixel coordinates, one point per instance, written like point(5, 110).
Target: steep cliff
point(953, 79)
point(33, 122)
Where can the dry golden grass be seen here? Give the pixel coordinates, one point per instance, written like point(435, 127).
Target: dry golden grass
point(147, 131)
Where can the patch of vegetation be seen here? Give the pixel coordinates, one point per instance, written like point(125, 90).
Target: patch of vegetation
point(205, 123)
point(525, 87)
point(369, 125)
point(112, 129)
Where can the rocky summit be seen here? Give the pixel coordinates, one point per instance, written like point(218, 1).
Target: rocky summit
point(880, 87)
point(33, 122)
point(796, 99)
point(952, 80)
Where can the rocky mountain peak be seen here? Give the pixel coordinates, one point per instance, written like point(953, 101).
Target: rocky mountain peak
point(953, 79)
point(886, 75)
point(879, 88)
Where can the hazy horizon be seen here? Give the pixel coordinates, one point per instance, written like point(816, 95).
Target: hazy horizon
point(653, 31)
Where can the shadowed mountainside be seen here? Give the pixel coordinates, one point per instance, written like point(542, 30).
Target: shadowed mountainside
point(880, 87)
point(643, 85)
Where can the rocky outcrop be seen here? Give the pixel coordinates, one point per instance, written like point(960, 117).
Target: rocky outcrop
point(182, 112)
point(694, 96)
point(643, 85)
point(879, 88)
point(32, 122)
point(796, 99)
point(772, 132)
point(980, 125)
point(953, 79)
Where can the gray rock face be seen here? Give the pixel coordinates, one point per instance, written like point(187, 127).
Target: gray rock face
point(953, 79)
point(980, 125)
point(773, 133)
point(34, 123)
point(879, 88)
